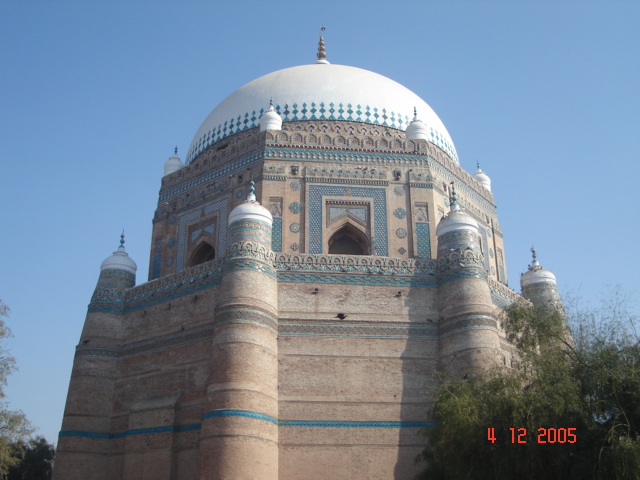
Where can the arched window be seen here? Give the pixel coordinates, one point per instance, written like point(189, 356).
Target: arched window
point(348, 240)
point(203, 253)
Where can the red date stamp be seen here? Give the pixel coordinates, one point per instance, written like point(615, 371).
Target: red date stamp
point(545, 435)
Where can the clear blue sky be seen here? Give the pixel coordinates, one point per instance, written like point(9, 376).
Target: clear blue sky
point(95, 95)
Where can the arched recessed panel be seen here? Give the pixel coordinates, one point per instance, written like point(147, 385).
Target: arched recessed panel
point(203, 253)
point(349, 240)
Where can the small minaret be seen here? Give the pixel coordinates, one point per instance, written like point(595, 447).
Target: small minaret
point(173, 164)
point(482, 178)
point(468, 327)
point(417, 129)
point(270, 120)
point(239, 436)
point(539, 284)
point(83, 444)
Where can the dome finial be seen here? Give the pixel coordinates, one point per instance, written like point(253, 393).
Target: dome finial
point(478, 164)
point(270, 103)
point(322, 54)
point(175, 150)
point(453, 200)
point(122, 239)
point(415, 113)
point(534, 255)
point(251, 197)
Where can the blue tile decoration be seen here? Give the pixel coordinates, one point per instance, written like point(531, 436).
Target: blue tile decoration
point(209, 177)
point(210, 229)
point(221, 207)
point(358, 212)
point(398, 190)
point(315, 111)
point(401, 233)
point(301, 329)
point(485, 244)
point(239, 193)
point(245, 264)
point(468, 322)
point(157, 259)
point(172, 220)
point(171, 242)
point(400, 213)
point(402, 250)
point(169, 261)
point(423, 240)
point(295, 185)
point(316, 204)
point(275, 208)
point(276, 234)
point(295, 247)
point(287, 262)
point(295, 207)
point(458, 274)
point(246, 414)
point(294, 227)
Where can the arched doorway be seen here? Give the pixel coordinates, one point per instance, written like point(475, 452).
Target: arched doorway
point(203, 253)
point(348, 240)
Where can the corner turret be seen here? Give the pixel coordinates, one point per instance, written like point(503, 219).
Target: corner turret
point(539, 284)
point(468, 327)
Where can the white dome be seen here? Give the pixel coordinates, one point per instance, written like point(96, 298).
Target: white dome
point(417, 129)
point(536, 273)
point(540, 275)
point(173, 164)
point(250, 210)
point(456, 220)
point(119, 261)
point(483, 179)
point(320, 91)
point(270, 120)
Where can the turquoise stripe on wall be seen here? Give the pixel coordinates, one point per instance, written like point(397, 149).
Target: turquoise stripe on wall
point(247, 414)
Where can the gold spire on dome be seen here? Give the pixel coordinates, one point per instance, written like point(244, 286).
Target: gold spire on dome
point(322, 54)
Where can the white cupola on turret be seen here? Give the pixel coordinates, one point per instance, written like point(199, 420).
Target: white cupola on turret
point(250, 209)
point(482, 178)
point(173, 164)
point(416, 129)
point(270, 120)
point(536, 273)
point(457, 219)
point(119, 260)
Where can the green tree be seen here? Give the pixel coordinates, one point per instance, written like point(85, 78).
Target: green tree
point(588, 381)
point(14, 426)
point(35, 460)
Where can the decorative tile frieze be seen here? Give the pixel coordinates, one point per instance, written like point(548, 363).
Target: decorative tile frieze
point(460, 258)
point(355, 264)
point(246, 314)
point(252, 250)
point(296, 329)
point(471, 322)
point(462, 273)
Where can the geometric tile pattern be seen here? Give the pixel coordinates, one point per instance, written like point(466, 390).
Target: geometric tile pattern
point(291, 329)
point(423, 240)
point(222, 207)
point(351, 279)
point(471, 322)
point(313, 111)
point(316, 204)
point(276, 235)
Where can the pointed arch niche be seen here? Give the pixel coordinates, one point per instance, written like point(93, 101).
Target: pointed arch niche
point(203, 252)
point(348, 227)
